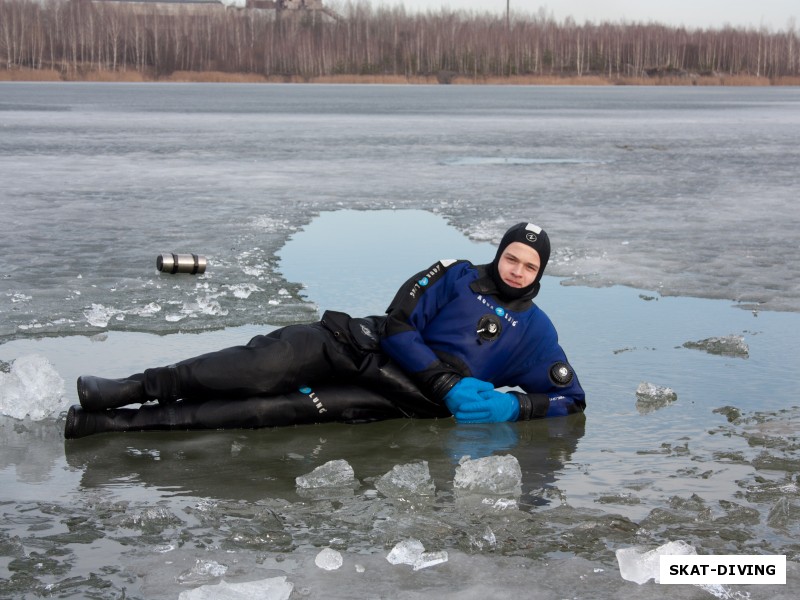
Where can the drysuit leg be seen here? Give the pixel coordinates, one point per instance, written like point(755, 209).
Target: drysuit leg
point(346, 404)
point(271, 364)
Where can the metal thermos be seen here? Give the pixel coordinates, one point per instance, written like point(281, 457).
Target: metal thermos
point(181, 263)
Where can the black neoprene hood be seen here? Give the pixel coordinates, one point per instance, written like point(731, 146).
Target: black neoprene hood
point(533, 236)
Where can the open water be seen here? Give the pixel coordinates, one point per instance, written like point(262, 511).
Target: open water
point(673, 215)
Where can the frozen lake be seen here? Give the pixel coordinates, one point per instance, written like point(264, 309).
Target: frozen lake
point(673, 218)
point(683, 191)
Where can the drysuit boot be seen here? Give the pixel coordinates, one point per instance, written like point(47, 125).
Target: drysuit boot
point(96, 393)
point(81, 423)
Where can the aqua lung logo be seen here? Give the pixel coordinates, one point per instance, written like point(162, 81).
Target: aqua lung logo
point(498, 310)
point(314, 398)
point(531, 237)
point(425, 280)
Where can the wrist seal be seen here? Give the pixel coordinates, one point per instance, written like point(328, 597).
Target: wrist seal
point(442, 384)
point(532, 406)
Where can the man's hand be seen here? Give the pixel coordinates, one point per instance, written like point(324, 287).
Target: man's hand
point(466, 390)
point(490, 407)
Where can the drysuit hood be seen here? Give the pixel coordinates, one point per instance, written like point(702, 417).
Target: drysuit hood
point(533, 236)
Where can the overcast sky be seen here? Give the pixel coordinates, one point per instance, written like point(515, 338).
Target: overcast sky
point(772, 14)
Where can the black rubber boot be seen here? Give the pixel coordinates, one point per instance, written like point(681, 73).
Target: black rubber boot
point(81, 423)
point(96, 393)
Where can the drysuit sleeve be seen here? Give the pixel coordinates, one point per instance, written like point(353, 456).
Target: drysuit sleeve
point(551, 389)
point(415, 304)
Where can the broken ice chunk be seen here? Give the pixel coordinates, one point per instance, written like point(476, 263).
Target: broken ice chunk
point(328, 559)
point(641, 566)
point(410, 479)
point(202, 571)
point(33, 388)
point(489, 475)
point(406, 552)
point(650, 397)
point(412, 552)
point(334, 473)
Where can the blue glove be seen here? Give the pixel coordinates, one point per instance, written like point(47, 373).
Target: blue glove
point(465, 390)
point(491, 407)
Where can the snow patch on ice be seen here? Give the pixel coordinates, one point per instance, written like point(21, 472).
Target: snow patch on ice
point(243, 290)
point(732, 345)
point(98, 315)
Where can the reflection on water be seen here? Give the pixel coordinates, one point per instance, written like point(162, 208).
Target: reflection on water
point(244, 465)
point(716, 467)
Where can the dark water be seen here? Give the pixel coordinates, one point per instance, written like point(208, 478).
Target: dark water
point(155, 515)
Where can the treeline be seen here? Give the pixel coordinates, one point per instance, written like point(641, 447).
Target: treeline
point(73, 36)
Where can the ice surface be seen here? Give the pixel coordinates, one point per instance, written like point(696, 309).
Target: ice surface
point(328, 559)
point(490, 475)
point(275, 588)
point(732, 345)
point(412, 552)
point(335, 473)
point(641, 566)
point(32, 389)
point(639, 172)
point(650, 397)
point(473, 161)
point(744, 148)
point(413, 478)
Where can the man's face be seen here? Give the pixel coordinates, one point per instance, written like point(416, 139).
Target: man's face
point(518, 265)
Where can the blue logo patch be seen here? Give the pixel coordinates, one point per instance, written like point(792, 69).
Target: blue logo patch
point(424, 281)
point(499, 311)
point(305, 390)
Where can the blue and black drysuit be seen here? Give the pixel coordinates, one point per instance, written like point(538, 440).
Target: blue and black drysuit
point(452, 334)
point(448, 322)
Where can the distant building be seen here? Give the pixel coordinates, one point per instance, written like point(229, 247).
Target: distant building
point(167, 5)
point(313, 6)
point(275, 6)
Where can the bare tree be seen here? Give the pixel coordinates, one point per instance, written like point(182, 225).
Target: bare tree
point(80, 35)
